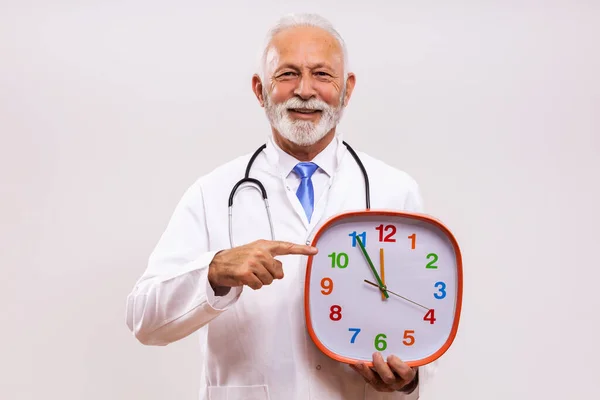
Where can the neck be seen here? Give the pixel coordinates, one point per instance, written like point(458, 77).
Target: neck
point(303, 153)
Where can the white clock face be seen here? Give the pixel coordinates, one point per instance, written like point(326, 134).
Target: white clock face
point(417, 262)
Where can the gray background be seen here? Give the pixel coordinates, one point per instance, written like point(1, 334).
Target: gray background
point(107, 110)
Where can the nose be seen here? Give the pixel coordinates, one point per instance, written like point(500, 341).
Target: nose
point(305, 88)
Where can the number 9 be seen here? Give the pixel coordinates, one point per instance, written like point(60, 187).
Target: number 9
point(327, 284)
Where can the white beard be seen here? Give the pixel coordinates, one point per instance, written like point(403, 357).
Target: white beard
point(299, 132)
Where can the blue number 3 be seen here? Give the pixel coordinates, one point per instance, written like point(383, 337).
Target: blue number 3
point(442, 290)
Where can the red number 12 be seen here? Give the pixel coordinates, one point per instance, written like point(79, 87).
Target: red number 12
point(388, 237)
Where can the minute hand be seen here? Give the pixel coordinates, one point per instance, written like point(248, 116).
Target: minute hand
point(396, 294)
point(364, 251)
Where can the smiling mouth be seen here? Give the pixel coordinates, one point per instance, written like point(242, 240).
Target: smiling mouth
point(304, 110)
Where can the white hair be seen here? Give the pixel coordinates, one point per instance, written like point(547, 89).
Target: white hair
point(295, 20)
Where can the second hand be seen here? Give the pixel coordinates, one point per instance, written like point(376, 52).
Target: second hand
point(396, 294)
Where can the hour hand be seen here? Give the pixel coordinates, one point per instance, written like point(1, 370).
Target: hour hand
point(364, 251)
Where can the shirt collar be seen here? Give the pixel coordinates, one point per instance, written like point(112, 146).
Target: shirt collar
point(327, 160)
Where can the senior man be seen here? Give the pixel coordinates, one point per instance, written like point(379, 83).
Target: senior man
point(245, 300)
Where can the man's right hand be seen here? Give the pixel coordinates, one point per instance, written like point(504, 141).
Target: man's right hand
point(253, 264)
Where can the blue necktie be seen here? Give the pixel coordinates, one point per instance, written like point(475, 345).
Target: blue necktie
point(305, 191)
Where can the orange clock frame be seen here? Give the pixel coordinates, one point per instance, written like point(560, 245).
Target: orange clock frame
point(413, 215)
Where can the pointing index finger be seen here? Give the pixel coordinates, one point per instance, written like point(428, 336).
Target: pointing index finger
point(280, 248)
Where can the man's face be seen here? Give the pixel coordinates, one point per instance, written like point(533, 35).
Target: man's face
point(305, 87)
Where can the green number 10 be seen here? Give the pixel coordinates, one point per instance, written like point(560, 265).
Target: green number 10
point(339, 259)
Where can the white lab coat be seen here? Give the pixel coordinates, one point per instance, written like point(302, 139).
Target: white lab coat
point(254, 344)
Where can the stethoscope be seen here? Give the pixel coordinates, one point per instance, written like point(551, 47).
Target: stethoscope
point(259, 186)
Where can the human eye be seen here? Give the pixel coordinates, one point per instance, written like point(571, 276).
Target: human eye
point(323, 75)
point(286, 74)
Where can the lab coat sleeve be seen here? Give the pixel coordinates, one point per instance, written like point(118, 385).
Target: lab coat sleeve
point(173, 298)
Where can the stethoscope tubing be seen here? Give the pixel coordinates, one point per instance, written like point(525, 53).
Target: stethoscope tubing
point(260, 187)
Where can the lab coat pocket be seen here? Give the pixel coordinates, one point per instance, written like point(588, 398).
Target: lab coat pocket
point(255, 392)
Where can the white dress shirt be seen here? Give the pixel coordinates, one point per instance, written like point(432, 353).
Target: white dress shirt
point(253, 344)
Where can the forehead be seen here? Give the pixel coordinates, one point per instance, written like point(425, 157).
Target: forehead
point(303, 46)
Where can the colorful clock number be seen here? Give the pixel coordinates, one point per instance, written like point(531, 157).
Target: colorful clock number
point(363, 237)
point(336, 313)
point(442, 290)
point(388, 237)
point(431, 263)
point(409, 339)
point(338, 259)
point(327, 285)
point(430, 316)
point(380, 343)
point(356, 332)
point(413, 241)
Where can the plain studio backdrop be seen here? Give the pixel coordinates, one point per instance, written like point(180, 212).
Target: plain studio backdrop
point(110, 110)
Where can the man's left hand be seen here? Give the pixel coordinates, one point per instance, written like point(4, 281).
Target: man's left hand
point(387, 377)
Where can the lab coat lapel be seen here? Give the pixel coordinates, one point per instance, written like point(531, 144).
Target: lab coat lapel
point(347, 191)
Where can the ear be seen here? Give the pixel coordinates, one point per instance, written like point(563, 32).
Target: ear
point(350, 82)
point(257, 88)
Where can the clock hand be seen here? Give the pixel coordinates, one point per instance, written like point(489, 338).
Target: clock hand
point(382, 270)
point(381, 285)
point(396, 294)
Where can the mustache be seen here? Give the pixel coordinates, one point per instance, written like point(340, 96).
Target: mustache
point(311, 104)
